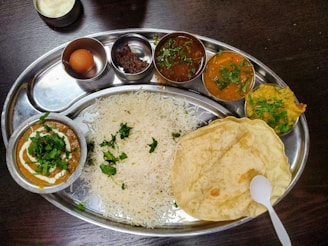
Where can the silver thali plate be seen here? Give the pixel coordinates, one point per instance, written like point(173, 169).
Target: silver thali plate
point(44, 86)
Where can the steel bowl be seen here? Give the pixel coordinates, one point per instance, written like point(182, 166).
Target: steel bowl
point(210, 70)
point(56, 17)
point(141, 48)
point(158, 63)
point(248, 102)
point(11, 155)
point(100, 76)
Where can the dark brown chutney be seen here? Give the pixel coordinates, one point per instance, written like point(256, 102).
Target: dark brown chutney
point(130, 62)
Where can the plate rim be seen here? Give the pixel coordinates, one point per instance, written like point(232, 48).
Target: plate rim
point(102, 37)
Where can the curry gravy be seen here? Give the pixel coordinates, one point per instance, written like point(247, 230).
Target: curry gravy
point(28, 164)
point(228, 76)
point(180, 58)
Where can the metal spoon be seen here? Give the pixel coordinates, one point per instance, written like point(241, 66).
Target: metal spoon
point(261, 189)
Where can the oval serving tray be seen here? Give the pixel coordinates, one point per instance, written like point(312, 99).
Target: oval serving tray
point(44, 86)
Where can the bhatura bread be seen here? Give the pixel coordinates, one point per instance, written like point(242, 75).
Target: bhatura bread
point(214, 165)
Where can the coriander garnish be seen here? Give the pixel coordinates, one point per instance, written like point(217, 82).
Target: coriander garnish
point(109, 166)
point(231, 72)
point(48, 150)
point(81, 206)
point(123, 156)
point(176, 135)
point(108, 169)
point(124, 130)
point(153, 145)
point(273, 109)
point(110, 143)
point(109, 157)
point(43, 117)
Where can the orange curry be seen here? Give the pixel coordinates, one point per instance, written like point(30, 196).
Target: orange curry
point(36, 151)
point(228, 76)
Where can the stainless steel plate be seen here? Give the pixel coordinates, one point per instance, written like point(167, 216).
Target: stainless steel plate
point(44, 86)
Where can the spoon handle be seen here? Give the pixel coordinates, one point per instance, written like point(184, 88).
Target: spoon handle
point(279, 227)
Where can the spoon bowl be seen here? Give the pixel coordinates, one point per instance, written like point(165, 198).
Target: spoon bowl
point(261, 189)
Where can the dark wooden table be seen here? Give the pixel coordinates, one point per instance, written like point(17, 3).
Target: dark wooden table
point(290, 37)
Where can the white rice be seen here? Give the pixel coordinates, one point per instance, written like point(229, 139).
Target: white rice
point(147, 199)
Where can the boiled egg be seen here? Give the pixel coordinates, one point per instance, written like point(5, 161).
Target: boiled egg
point(81, 61)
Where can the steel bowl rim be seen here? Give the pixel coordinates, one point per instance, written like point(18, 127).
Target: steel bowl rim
point(279, 86)
point(65, 62)
point(134, 36)
point(188, 34)
point(234, 100)
point(11, 154)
